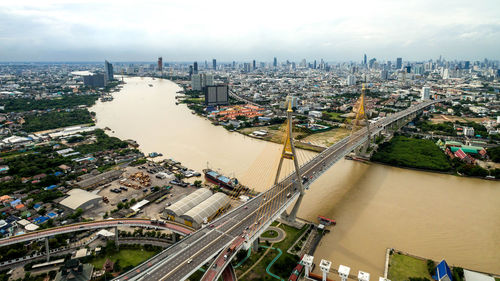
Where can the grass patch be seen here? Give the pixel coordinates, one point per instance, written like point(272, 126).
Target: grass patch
point(403, 267)
point(283, 265)
point(127, 257)
point(270, 234)
point(333, 116)
point(413, 153)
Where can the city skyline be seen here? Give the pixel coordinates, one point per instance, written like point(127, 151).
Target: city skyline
point(125, 31)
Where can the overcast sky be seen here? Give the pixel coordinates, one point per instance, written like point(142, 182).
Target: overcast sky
point(187, 30)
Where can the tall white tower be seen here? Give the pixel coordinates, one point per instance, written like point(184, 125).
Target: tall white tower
point(426, 93)
point(307, 260)
point(344, 272)
point(325, 268)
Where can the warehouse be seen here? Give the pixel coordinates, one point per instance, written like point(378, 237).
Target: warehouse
point(99, 179)
point(79, 198)
point(180, 207)
point(206, 210)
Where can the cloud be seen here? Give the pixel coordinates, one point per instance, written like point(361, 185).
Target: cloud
point(236, 30)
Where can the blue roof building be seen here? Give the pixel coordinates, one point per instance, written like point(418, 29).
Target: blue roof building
point(15, 203)
point(443, 272)
point(51, 187)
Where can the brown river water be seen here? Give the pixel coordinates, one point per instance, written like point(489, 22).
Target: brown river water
point(376, 207)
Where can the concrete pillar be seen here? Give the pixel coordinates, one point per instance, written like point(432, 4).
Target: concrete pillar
point(325, 268)
point(383, 279)
point(307, 261)
point(344, 272)
point(255, 245)
point(174, 237)
point(47, 248)
point(116, 238)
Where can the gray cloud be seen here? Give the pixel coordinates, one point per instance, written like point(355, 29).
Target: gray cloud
point(55, 30)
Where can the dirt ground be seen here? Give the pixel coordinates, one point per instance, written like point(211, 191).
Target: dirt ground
point(450, 118)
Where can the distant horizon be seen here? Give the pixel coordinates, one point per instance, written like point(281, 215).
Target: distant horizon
point(209, 61)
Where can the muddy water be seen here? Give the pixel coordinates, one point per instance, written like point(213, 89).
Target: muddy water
point(376, 207)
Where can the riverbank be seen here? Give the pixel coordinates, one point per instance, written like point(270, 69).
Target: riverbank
point(425, 155)
point(405, 266)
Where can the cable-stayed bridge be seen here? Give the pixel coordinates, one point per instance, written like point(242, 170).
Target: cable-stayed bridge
point(242, 226)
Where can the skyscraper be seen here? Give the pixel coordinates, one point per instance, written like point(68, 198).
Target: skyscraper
point(399, 63)
point(253, 65)
point(426, 93)
point(275, 62)
point(314, 64)
point(195, 67)
point(160, 64)
point(108, 68)
point(364, 60)
point(214, 64)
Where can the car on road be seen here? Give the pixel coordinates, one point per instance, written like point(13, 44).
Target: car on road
point(189, 261)
point(212, 226)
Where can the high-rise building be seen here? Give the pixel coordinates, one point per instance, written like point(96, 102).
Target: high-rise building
point(216, 95)
point(254, 66)
point(96, 80)
point(214, 64)
point(426, 93)
point(384, 74)
point(160, 64)
point(195, 67)
point(314, 64)
point(351, 80)
point(364, 60)
point(399, 63)
point(201, 80)
point(108, 68)
point(190, 72)
point(275, 62)
point(246, 67)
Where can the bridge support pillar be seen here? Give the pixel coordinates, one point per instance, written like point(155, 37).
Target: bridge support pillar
point(255, 245)
point(307, 261)
point(325, 268)
point(174, 237)
point(116, 238)
point(47, 248)
point(344, 272)
point(293, 214)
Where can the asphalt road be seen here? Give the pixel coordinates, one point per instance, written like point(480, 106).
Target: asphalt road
point(92, 225)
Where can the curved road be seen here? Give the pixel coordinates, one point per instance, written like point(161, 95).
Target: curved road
point(82, 226)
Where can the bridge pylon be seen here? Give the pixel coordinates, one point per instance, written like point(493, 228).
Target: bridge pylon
point(289, 152)
point(361, 116)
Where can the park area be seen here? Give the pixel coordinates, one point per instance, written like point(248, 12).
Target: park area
point(408, 152)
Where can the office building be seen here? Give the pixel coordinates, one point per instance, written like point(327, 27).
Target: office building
point(197, 82)
point(216, 95)
point(254, 66)
point(201, 80)
point(214, 64)
point(160, 64)
point(246, 67)
point(399, 63)
point(364, 60)
point(95, 80)
point(275, 62)
point(195, 67)
point(384, 74)
point(426, 93)
point(190, 72)
point(108, 68)
point(351, 80)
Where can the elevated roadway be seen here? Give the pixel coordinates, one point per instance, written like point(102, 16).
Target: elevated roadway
point(83, 226)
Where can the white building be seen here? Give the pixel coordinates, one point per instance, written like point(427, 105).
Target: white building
point(425, 93)
point(351, 80)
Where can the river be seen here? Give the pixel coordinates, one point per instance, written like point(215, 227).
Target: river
point(376, 207)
